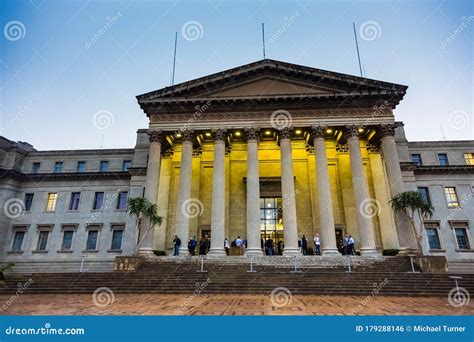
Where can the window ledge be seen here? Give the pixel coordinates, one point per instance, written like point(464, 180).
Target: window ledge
point(39, 252)
point(65, 251)
point(464, 250)
point(121, 210)
point(437, 251)
point(15, 252)
point(90, 251)
point(72, 210)
point(114, 251)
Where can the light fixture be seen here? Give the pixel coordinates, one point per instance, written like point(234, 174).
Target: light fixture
point(208, 134)
point(360, 130)
point(329, 130)
point(178, 135)
point(237, 134)
point(268, 132)
point(298, 131)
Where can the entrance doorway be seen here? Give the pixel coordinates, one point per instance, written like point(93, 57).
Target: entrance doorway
point(271, 225)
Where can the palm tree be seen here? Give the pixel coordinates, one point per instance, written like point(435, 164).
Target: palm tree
point(140, 208)
point(410, 203)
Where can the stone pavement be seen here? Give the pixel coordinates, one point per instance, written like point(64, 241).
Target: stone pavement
point(107, 303)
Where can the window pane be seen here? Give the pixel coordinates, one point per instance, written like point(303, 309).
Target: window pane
point(117, 239)
point(424, 192)
point(461, 237)
point(28, 201)
point(416, 158)
point(443, 159)
point(122, 200)
point(98, 200)
point(51, 202)
point(433, 238)
point(18, 241)
point(104, 166)
point(469, 158)
point(74, 203)
point(451, 196)
point(127, 164)
point(92, 240)
point(42, 240)
point(81, 166)
point(58, 167)
point(35, 168)
point(67, 240)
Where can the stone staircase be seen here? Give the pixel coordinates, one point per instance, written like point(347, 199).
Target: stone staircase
point(318, 276)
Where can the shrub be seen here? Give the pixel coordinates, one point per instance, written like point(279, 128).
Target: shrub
point(390, 252)
point(159, 253)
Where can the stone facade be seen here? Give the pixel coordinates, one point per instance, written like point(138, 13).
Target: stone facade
point(173, 166)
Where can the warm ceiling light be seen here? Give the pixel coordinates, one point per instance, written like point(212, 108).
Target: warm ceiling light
point(237, 134)
point(329, 130)
point(268, 132)
point(208, 134)
point(298, 131)
point(178, 135)
point(360, 130)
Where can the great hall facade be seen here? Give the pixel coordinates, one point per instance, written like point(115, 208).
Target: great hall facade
point(264, 150)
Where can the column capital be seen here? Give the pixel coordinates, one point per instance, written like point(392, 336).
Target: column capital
point(351, 132)
point(187, 135)
point(318, 131)
point(285, 133)
point(252, 133)
point(155, 136)
point(387, 130)
point(220, 134)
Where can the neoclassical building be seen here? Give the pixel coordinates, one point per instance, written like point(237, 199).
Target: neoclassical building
point(265, 150)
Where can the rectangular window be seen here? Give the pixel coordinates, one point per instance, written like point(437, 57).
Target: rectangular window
point(469, 158)
point(66, 244)
point(104, 166)
point(98, 201)
point(461, 238)
point(74, 202)
point(443, 159)
point(433, 238)
point(51, 201)
point(28, 201)
point(416, 158)
point(18, 241)
point(117, 237)
point(92, 236)
point(425, 193)
point(451, 197)
point(35, 168)
point(122, 200)
point(58, 167)
point(42, 240)
point(81, 166)
point(127, 164)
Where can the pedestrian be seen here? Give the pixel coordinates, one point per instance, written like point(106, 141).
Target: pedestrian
point(304, 245)
point(280, 247)
point(269, 246)
point(226, 246)
point(204, 245)
point(238, 242)
point(351, 245)
point(345, 245)
point(317, 244)
point(176, 245)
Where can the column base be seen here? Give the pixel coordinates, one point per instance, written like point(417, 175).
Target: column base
point(368, 251)
point(183, 251)
point(292, 252)
point(146, 251)
point(330, 252)
point(217, 252)
point(254, 251)
point(407, 251)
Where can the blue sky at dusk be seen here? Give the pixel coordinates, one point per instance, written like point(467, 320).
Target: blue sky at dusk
point(55, 77)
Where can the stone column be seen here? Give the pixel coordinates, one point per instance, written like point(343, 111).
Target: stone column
point(406, 236)
point(290, 230)
point(218, 195)
point(151, 188)
point(253, 195)
point(361, 192)
point(326, 216)
point(185, 203)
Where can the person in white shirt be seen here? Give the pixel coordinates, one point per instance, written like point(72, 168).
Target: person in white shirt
point(317, 244)
point(350, 244)
point(226, 246)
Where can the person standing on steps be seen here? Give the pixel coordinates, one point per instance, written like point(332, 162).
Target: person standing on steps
point(176, 245)
point(345, 245)
point(304, 245)
point(317, 244)
point(226, 246)
point(351, 245)
point(204, 245)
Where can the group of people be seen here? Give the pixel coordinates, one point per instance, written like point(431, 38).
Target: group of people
point(346, 245)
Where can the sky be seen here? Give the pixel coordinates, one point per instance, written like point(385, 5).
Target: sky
point(70, 70)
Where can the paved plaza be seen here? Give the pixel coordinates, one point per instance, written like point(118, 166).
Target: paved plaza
point(158, 304)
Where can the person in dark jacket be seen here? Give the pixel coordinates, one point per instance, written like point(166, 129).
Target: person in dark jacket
point(176, 245)
point(304, 245)
point(204, 246)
